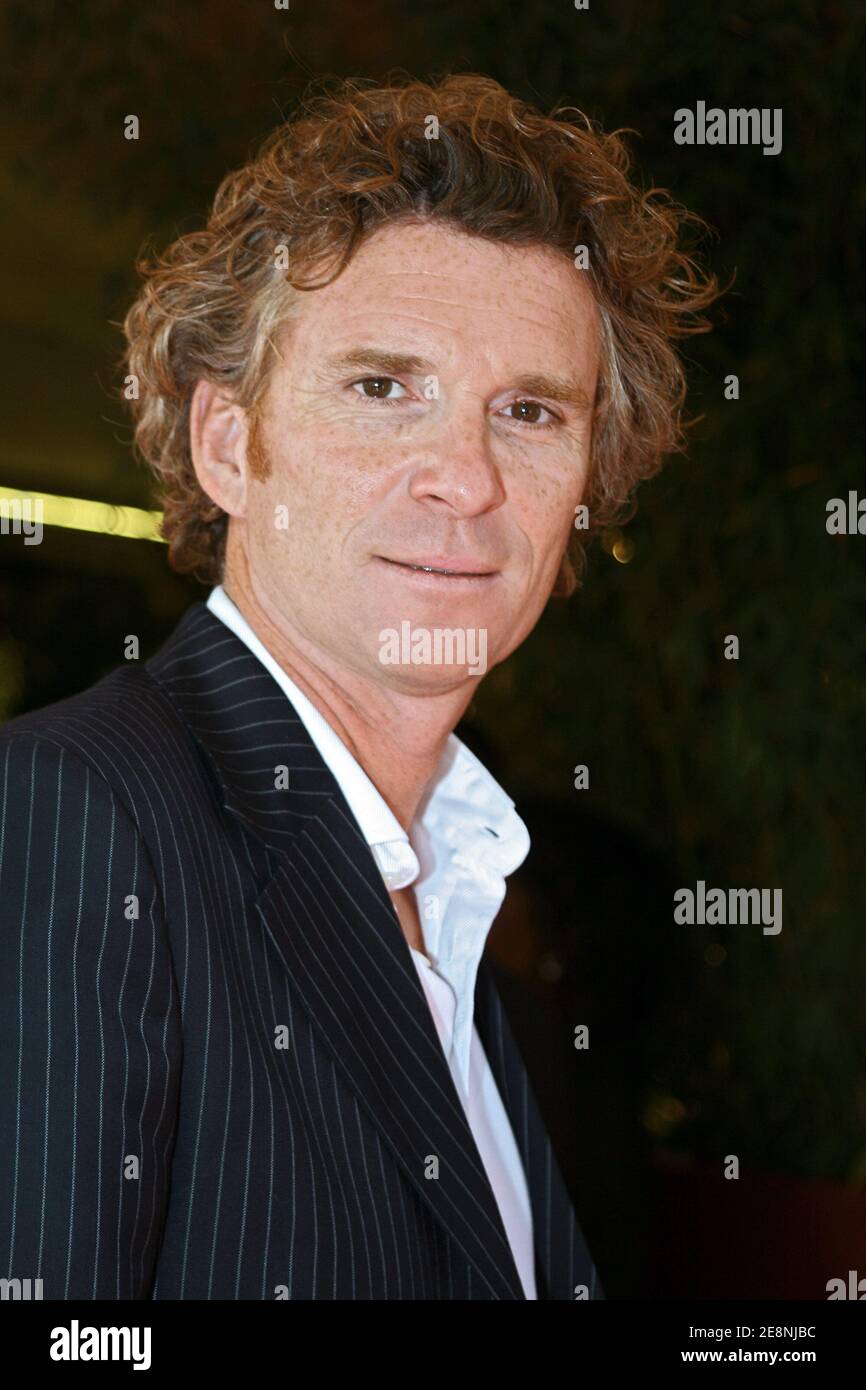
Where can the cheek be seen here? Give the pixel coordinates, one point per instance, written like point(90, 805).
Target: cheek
point(545, 499)
point(325, 455)
point(303, 511)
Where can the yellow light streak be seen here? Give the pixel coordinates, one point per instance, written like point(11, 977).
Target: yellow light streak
point(79, 514)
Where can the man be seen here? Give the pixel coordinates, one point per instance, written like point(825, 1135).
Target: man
point(251, 1046)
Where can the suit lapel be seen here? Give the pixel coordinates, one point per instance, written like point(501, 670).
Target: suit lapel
point(335, 930)
point(561, 1250)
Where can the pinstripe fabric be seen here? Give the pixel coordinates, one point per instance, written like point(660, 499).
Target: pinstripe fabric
point(220, 1076)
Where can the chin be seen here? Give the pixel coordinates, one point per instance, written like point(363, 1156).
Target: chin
point(427, 680)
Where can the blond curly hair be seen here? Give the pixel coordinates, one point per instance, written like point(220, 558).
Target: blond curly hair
point(358, 156)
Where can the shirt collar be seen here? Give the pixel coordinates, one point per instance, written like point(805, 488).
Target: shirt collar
point(460, 787)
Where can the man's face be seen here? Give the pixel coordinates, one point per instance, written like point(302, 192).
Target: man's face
point(431, 408)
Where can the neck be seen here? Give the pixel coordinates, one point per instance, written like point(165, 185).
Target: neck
point(398, 738)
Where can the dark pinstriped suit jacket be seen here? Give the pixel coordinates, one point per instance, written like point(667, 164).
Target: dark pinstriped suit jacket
point(158, 1141)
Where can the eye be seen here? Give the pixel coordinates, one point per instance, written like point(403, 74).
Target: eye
point(378, 388)
point(530, 412)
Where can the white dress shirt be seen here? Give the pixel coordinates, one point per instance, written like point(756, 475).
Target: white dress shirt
point(465, 839)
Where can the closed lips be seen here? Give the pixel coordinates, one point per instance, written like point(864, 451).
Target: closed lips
point(456, 569)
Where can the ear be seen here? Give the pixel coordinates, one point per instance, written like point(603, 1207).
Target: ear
point(218, 432)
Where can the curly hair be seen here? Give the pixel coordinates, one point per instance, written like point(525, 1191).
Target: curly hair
point(463, 151)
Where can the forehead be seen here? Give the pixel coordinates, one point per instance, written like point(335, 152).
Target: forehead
point(434, 286)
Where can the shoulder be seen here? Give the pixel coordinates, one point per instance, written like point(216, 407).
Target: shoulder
point(122, 736)
point(99, 725)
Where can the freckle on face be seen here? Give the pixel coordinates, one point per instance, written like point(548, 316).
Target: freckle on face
point(452, 475)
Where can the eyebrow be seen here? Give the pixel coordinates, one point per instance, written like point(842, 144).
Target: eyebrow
point(552, 388)
point(378, 359)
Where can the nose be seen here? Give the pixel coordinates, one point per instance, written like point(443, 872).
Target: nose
point(456, 472)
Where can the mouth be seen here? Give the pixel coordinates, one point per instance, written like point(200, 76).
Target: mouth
point(458, 568)
point(445, 574)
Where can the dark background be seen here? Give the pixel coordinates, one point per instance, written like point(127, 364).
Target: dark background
point(704, 1042)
